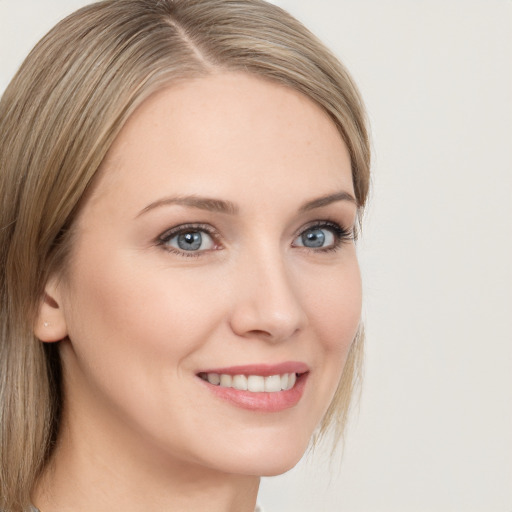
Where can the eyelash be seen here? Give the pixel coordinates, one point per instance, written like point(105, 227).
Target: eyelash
point(341, 235)
point(168, 235)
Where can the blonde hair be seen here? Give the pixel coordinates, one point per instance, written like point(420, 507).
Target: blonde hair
point(58, 118)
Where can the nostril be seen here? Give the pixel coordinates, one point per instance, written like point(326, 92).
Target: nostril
point(261, 333)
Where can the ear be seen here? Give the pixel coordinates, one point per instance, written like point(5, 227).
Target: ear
point(50, 325)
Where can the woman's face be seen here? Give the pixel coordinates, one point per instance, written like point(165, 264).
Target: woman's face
point(216, 244)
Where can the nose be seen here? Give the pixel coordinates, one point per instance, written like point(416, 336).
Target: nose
point(267, 304)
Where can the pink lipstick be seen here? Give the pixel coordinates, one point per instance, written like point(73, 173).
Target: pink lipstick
point(262, 387)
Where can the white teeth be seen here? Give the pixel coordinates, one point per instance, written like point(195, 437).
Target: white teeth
point(240, 382)
point(226, 380)
point(273, 383)
point(214, 378)
point(256, 384)
point(291, 380)
point(253, 383)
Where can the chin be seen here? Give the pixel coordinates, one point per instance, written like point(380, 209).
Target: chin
point(279, 465)
point(268, 459)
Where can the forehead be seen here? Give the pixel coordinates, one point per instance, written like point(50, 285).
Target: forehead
point(227, 134)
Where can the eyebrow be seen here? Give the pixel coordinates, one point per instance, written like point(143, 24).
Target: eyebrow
point(228, 207)
point(203, 203)
point(327, 200)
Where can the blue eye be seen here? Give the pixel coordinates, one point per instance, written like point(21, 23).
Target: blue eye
point(317, 238)
point(190, 240)
point(325, 236)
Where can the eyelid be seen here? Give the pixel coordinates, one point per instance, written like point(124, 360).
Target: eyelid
point(188, 226)
point(341, 234)
point(325, 223)
point(167, 235)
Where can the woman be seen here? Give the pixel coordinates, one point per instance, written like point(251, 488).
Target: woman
point(181, 183)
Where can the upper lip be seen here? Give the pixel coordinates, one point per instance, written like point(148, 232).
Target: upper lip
point(264, 370)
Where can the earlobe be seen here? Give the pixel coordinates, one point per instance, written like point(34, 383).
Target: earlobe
point(50, 325)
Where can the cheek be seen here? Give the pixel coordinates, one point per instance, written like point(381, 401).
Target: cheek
point(332, 297)
point(125, 317)
point(132, 330)
point(334, 306)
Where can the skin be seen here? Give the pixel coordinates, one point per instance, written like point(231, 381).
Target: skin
point(139, 320)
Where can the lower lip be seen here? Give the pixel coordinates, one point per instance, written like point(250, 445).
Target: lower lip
point(263, 402)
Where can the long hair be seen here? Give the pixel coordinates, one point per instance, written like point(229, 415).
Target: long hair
point(58, 118)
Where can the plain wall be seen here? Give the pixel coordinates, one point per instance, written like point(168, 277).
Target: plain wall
point(434, 427)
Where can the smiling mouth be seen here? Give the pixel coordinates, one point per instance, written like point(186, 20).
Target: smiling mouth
point(258, 387)
point(253, 383)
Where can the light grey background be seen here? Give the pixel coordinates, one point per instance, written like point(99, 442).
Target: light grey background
point(434, 428)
